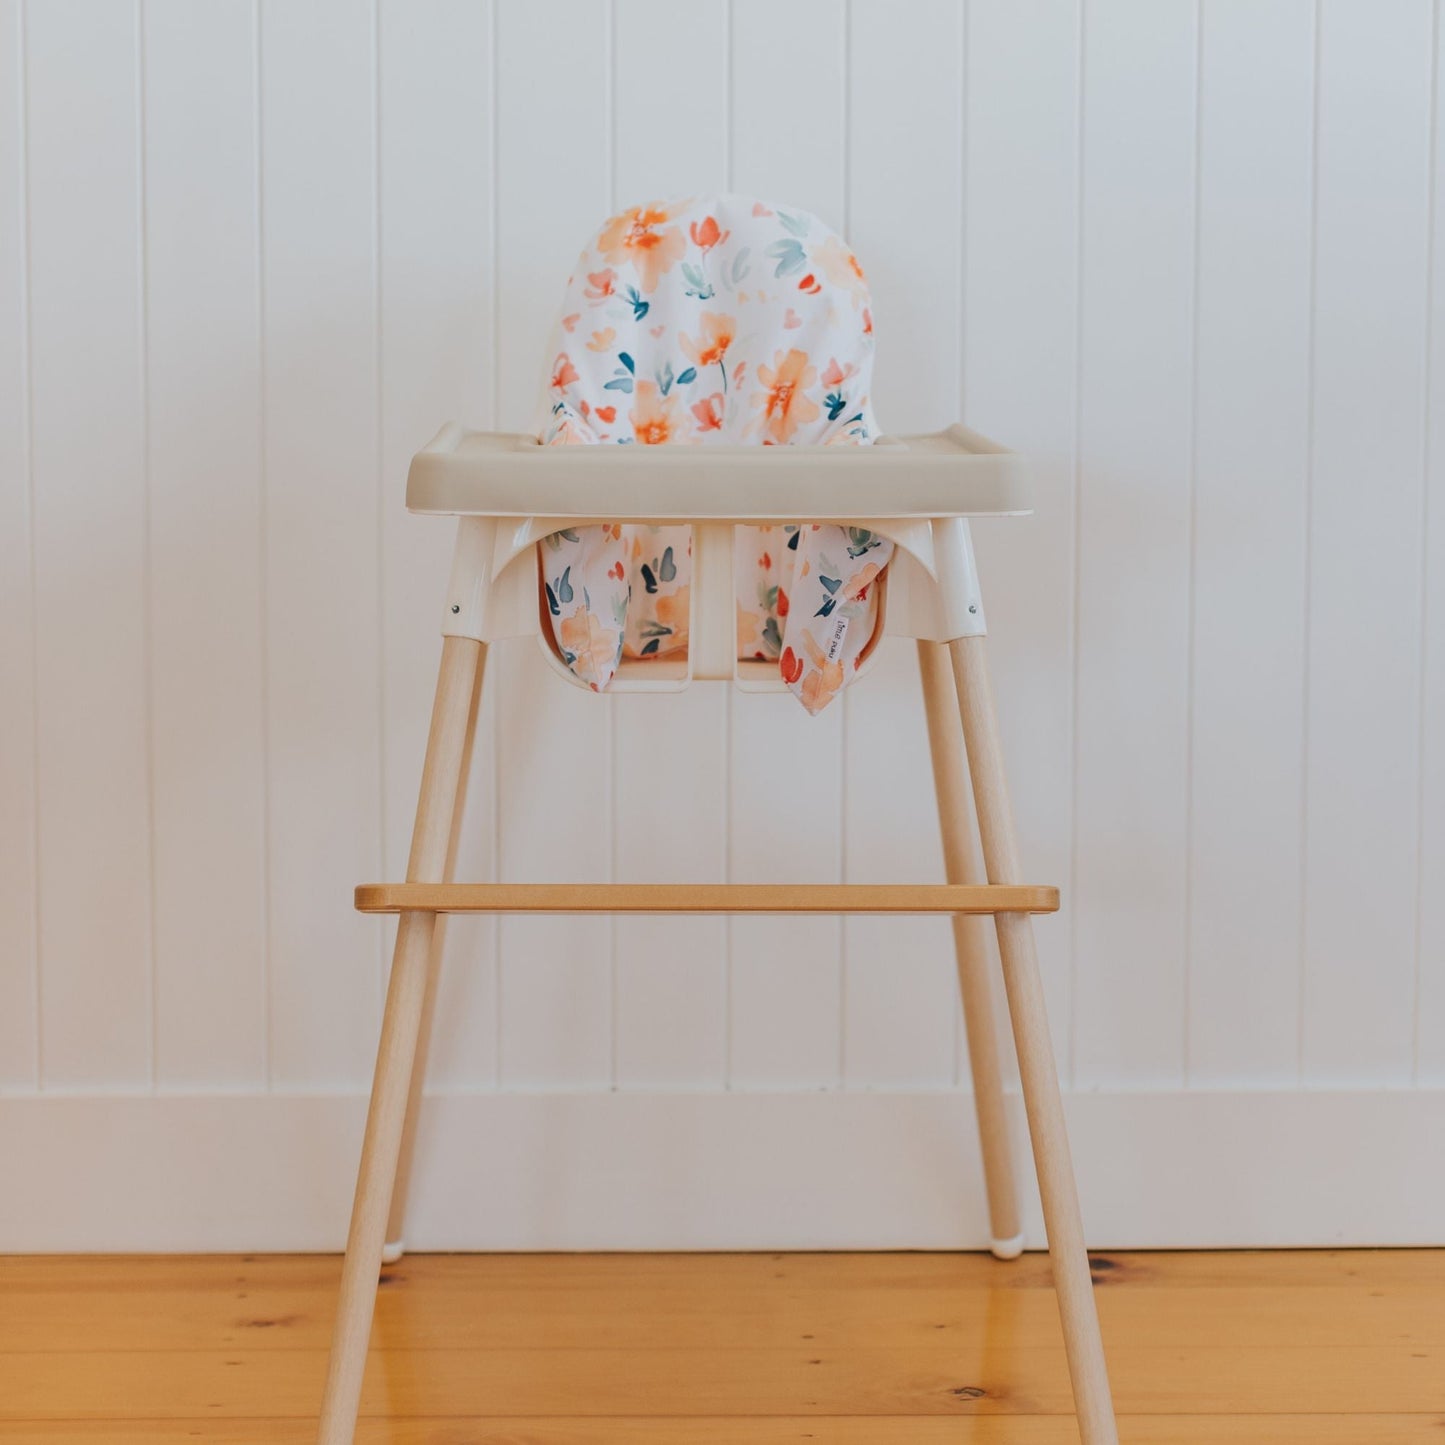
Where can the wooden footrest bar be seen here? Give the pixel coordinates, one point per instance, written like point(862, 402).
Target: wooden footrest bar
point(706, 898)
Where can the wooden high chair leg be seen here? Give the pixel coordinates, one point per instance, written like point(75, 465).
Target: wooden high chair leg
point(1058, 1191)
point(395, 1245)
point(975, 974)
point(401, 1023)
point(1031, 1033)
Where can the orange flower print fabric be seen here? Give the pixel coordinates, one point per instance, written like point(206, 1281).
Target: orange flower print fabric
point(784, 398)
point(715, 320)
point(643, 240)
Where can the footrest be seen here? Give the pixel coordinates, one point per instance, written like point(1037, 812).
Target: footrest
point(706, 898)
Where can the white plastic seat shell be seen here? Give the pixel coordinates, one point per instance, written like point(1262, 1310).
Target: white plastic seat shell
point(916, 490)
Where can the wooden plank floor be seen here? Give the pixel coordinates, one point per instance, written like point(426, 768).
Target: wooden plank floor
point(1329, 1348)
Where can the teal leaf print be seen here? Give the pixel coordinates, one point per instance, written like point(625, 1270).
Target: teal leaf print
point(790, 257)
point(797, 225)
point(830, 586)
point(835, 405)
point(664, 570)
point(772, 638)
point(687, 377)
point(860, 540)
point(552, 605)
point(665, 378)
point(564, 586)
point(622, 377)
point(740, 264)
point(640, 308)
point(697, 284)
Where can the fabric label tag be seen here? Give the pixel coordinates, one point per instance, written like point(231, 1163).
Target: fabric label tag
point(835, 640)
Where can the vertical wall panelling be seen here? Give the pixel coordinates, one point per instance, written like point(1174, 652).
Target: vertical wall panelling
point(670, 753)
point(1363, 778)
point(905, 173)
point(1184, 255)
point(321, 469)
point(203, 385)
point(554, 796)
point(19, 1019)
point(1250, 519)
point(670, 101)
point(671, 800)
point(788, 135)
point(435, 194)
point(1020, 373)
point(785, 1007)
point(1133, 582)
point(84, 83)
point(785, 999)
point(1430, 959)
point(901, 1019)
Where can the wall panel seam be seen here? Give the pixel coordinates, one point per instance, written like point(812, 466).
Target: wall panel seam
point(1427, 441)
point(1192, 564)
point(846, 121)
point(263, 551)
point(841, 924)
point(1077, 468)
point(728, 701)
point(492, 678)
point(27, 413)
point(609, 703)
point(147, 526)
point(378, 437)
point(1307, 522)
point(727, 95)
point(965, 11)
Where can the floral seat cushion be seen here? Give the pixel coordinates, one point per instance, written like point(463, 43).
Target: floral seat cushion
point(715, 320)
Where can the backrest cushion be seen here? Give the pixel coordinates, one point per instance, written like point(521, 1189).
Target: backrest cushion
point(717, 319)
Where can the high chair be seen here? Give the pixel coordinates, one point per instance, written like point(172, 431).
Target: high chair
point(509, 493)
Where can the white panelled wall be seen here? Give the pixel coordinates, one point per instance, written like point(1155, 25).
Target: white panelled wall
point(1187, 254)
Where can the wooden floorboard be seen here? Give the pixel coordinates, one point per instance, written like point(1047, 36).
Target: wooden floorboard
point(1326, 1347)
point(812, 1430)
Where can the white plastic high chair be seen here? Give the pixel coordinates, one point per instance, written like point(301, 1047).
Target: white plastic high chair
point(509, 493)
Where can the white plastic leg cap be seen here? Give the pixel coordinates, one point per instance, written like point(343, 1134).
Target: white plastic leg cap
point(1007, 1248)
point(392, 1250)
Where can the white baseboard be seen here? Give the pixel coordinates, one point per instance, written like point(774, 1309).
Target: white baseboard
point(717, 1171)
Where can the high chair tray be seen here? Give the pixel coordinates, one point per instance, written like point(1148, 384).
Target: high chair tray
point(950, 473)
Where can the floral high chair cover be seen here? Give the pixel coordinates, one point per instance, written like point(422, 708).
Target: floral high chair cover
point(715, 320)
